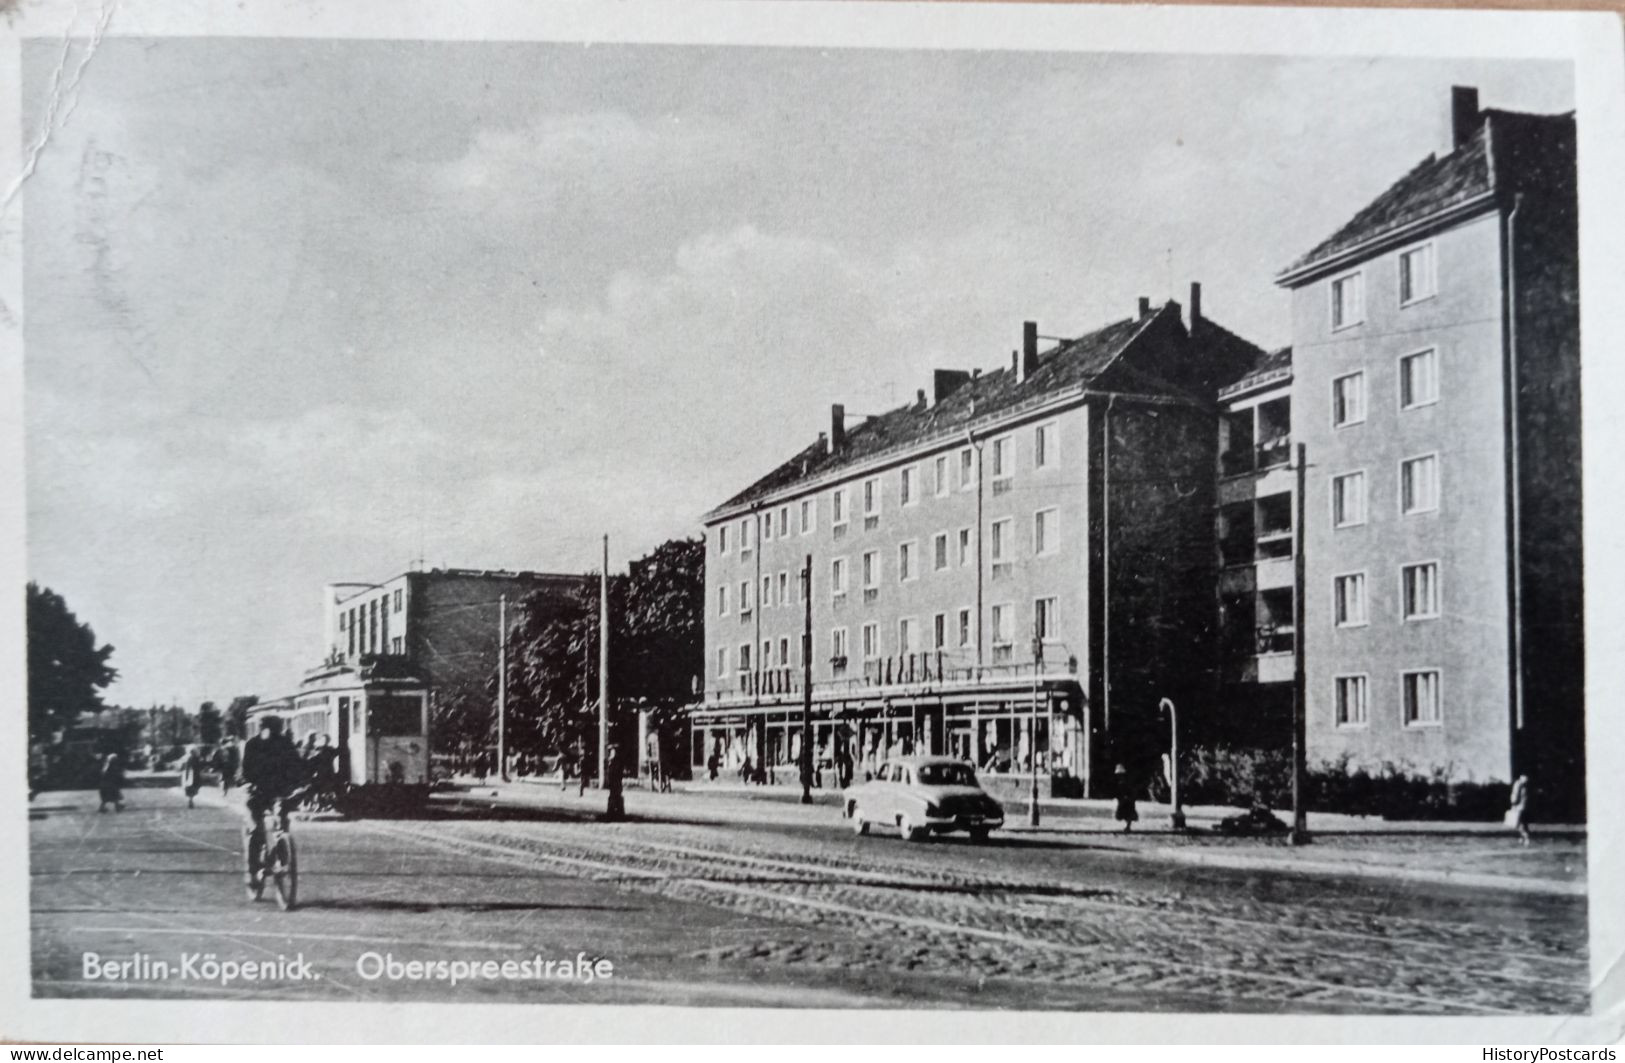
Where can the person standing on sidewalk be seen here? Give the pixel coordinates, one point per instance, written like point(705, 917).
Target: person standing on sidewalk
point(1518, 808)
point(111, 784)
point(192, 774)
point(1126, 812)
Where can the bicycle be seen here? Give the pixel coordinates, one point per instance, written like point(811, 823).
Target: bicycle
point(275, 858)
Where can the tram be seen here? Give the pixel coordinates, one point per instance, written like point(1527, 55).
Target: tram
point(379, 725)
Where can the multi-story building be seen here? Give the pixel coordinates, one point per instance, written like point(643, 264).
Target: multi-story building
point(1256, 536)
point(1016, 567)
point(1436, 386)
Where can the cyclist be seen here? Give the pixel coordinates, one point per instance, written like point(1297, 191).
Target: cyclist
point(272, 771)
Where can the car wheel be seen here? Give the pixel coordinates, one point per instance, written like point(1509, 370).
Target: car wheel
point(910, 832)
point(859, 824)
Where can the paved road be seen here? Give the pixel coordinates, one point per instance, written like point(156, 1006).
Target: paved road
point(776, 907)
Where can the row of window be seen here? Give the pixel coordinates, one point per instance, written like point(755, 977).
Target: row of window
point(950, 472)
point(1418, 491)
point(1418, 387)
point(1418, 595)
point(366, 625)
point(948, 550)
point(947, 631)
point(1418, 279)
point(1420, 700)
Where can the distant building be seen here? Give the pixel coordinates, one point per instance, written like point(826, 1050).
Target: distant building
point(1017, 566)
point(1436, 383)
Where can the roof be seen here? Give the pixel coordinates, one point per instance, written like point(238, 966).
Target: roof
point(1266, 367)
point(1070, 364)
point(1437, 184)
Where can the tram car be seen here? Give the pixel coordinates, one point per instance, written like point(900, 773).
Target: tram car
point(379, 727)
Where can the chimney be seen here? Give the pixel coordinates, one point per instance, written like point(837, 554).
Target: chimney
point(823, 442)
point(1196, 303)
point(837, 427)
point(1145, 307)
point(945, 382)
point(919, 399)
point(1464, 114)
point(1015, 361)
point(1029, 351)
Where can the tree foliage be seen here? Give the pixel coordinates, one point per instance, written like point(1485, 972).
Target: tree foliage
point(209, 723)
point(67, 668)
point(236, 721)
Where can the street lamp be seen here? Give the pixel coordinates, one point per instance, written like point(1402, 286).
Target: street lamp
point(1032, 734)
point(1176, 819)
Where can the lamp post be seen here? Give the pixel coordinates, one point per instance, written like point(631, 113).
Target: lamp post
point(806, 757)
point(1176, 818)
point(1032, 733)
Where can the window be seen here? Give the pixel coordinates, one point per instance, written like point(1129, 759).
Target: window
point(1348, 600)
point(784, 653)
point(1045, 616)
point(939, 551)
point(1419, 590)
point(767, 592)
point(1419, 484)
point(1348, 500)
point(744, 656)
point(1418, 379)
point(905, 561)
point(1348, 300)
point(837, 644)
point(767, 528)
point(395, 646)
point(767, 654)
point(1004, 625)
point(784, 522)
point(1045, 450)
point(744, 596)
point(871, 570)
point(871, 641)
point(964, 627)
point(1417, 279)
point(964, 547)
point(905, 635)
point(1002, 530)
point(837, 577)
point(784, 588)
point(722, 538)
point(837, 507)
point(722, 601)
point(1348, 400)
point(1046, 531)
point(722, 662)
point(1421, 697)
point(908, 486)
point(944, 485)
point(967, 469)
point(1004, 457)
point(808, 512)
point(1349, 700)
point(939, 631)
point(871, 497)
point(397, 601)
point(745, 535)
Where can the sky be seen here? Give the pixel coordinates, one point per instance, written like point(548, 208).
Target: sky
point(306, 311)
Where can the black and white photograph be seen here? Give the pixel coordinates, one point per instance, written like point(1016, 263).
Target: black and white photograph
point(888, 519)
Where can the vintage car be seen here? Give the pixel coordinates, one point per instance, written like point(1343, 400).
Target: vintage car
point(921, 796)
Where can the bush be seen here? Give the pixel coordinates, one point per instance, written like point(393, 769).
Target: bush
point(1242, 777)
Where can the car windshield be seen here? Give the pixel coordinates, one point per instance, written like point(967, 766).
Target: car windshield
point(947, 775)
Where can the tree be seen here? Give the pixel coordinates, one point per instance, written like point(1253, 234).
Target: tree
point(67, 669)
point(236, 721)
point(209, 721)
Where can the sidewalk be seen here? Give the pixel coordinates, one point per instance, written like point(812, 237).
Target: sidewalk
point(1472, 855)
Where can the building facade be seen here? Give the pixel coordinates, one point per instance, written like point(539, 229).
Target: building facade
point(1014, 569)
point(1435, 377)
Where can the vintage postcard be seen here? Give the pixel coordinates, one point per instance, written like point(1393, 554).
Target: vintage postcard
point(861, 519)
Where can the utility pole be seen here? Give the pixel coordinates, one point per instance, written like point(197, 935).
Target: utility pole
point(1299, 834)
point(1032, 735)
point(502, 688)
point(1176, 818)
point(603, 669)
point(806, 684)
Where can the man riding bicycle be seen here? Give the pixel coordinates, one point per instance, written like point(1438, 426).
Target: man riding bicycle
point(272, 771)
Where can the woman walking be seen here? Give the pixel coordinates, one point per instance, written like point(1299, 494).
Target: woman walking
point(112, 784)
point(1518, 808)
point(192, 774)
point(1126, 811)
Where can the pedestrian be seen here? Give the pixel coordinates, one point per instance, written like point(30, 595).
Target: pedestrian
point(192, 774)
point(228, 766)
point(482, 767)
point(1518, 808)
point(615, 811)
point(1126, 811)
point(111, 782)
point(713, 765)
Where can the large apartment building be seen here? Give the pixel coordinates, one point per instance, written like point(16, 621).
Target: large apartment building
point(1013, 568)
point(1435, 375)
